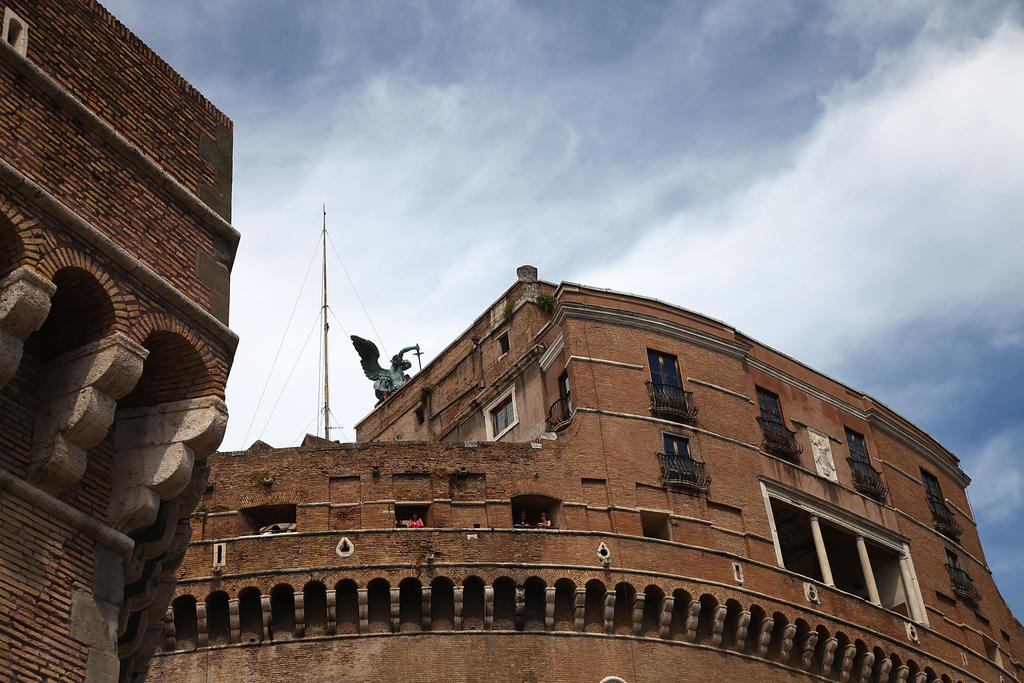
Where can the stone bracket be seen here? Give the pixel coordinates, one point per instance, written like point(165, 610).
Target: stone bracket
point(78, 397)
point(24, 304)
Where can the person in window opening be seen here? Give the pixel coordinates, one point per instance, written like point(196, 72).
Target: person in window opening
point(544, 522)
point(415, 522)
point(521, 520)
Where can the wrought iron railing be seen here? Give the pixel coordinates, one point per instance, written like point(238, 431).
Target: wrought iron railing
point(963, 585)
point(780, 440)
point(683, 470)
point(943, 520)
point(867, 479)
point(559, 414)
point(671, 401)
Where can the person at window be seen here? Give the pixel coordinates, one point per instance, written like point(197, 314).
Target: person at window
point(521, 521)
point(544, 522)
point(415, 522)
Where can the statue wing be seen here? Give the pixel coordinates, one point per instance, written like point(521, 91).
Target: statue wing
point(368, 358)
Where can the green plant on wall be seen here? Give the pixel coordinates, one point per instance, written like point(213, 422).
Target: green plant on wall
point(509, 308)
point(546, 303)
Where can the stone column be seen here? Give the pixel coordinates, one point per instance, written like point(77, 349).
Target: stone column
point(427, 617)
point(665, 620)
point(549, 609)
point(364, 610)
point(457, 595)
point(24, 304)
point(332, 612)
point(395, 606)
point(819, 548)
point(909, 592)
point(202, 636)
point(300, 613)
point(865, 567)
point(846, 662)
point(488, 607)
point(609, 611)
point(638, 612)
point(233, 620)
point(580, 610)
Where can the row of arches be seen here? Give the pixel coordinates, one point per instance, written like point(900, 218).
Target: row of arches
point(533, 605)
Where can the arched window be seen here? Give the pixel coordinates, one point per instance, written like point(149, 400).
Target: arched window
point(680, 608)
point(315, 606)
point(186, 628)
point(651, 626)
point(565, 605)
point(504, 603)
point(218, 618)
point(442, 604)
point(623, 621)
point(347, 605)
point(282, 612)
point(379, 605)
point(410, 605)
point(593, 609)
point(250, 615)
point(534, 604)
point(473, 604)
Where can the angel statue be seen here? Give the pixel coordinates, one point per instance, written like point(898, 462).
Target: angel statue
point(385, 381)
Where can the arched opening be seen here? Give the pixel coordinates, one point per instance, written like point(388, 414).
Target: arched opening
point(186, 628)
point(622, 624)
point(565, 605)
point(817, 662)
point(677, 625)
point(778, 631)
point(504, 604)
point(442, 604)
point(914, 669)
point(314, 604)
point(218, 618)
point(796, 656)
point(282, 612)
point(410, 605)
point(842, 643)
point(250, 615)
point(534, 604)
point(757, 617)
point(896, 664)
point(733, 609)
point(173, 371)
point(651, 625)
point(473, 604)
point(80, 313)
point(346, 599)
point(876, 668)
point(708, 605)
point(593, 607)
point(378, 599)
point(535, 511)
point(929, 674)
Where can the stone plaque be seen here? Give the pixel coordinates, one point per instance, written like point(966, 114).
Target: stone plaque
point(823, 455)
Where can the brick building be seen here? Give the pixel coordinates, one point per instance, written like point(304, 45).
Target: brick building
point(115, 257)
point(718, 511)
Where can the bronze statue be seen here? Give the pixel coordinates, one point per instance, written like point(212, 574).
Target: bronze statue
point(385, 381)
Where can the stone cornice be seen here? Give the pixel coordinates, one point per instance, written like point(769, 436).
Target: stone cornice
point(49, 204)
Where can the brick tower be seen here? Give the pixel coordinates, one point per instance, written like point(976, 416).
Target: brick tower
point(115, 259)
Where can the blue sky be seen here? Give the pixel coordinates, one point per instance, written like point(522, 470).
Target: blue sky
point(841, 181)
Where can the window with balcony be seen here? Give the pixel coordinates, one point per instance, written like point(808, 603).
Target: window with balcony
point(866, 478)
point(963, 585)
point(778, 439)
point(560, 411)
point(942, 517)
point(678, 466)
point(668, 400)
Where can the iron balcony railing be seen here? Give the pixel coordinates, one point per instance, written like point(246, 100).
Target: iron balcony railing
point(780, 440)
point(963, 586)
point(559, 414)
point(683, 470)
point(672, 402)
point(943, 520)
point(867, 479)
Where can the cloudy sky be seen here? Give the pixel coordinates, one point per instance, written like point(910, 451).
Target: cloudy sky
point(842, 181)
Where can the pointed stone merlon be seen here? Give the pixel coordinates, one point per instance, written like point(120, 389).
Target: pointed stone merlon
point(79, 392)
point(24, 304)
point(154, 451)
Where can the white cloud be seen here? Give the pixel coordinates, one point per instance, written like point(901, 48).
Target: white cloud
point(997, 472)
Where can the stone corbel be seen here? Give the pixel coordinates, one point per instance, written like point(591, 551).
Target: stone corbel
point(764, 636)
point(78, 395)
point(742, 628)
point(638, 614)
point(665, 619)
point(718, 624)
point(24, 304)
point(154, 451)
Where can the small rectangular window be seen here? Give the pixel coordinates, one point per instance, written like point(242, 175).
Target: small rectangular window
point(419, 416)
point(15, 31)
point(655, 525)
point(503, 344)
point(503, 416)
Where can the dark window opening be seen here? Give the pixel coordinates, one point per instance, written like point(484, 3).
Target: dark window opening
point(778, 438)
point(14, 30)
point(942, 517)
point(503, 344)
point(678, 466)
point(655, 525)
point(664, 369)
point(411, 516)
point(560, 411)
point(668, 400)
point(420, 417)
point(268, 519)
point(793, 528)
point(963, 584)
point(536, 512)
point(866, 478)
